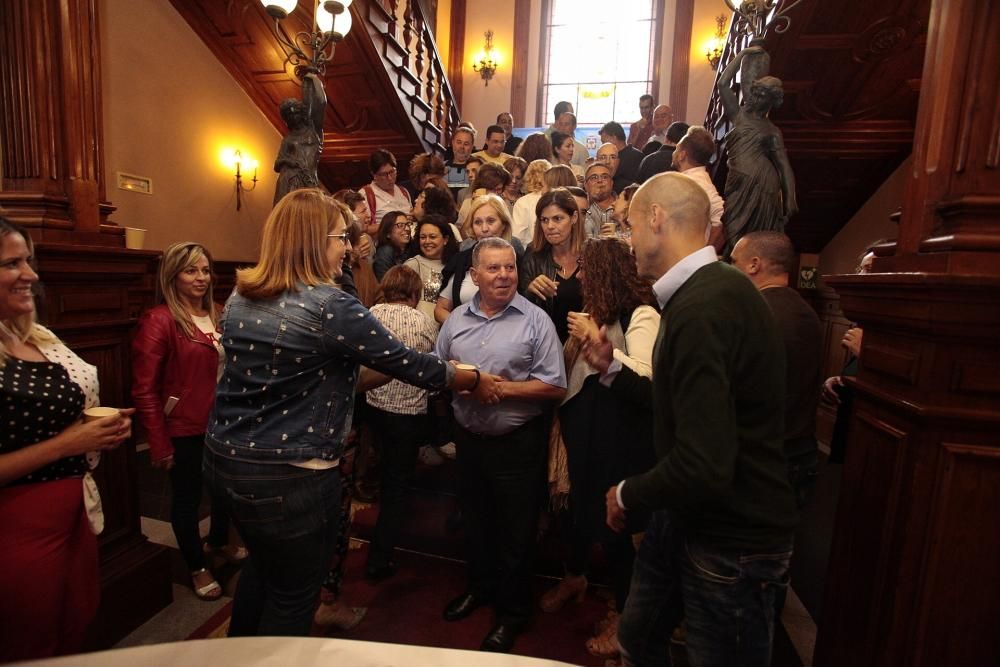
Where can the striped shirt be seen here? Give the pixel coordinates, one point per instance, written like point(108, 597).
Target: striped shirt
point(415, 330)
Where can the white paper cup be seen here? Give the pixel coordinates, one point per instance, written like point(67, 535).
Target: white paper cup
point(90, 414)
point(135, 238)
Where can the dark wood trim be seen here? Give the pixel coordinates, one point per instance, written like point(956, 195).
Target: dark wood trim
point(680, 58)
point(657, 48)
point(456, 52)
point(519, 71)
point(543, 61)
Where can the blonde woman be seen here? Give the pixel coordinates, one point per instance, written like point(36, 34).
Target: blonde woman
point(49, 584)
point(176, 362)
point(523, 213)
point(294, 343)
point(487, 218)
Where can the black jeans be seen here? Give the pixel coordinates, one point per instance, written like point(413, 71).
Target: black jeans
point(289, 518)
point(397, 439)
point(186, 487)
point(502, 481)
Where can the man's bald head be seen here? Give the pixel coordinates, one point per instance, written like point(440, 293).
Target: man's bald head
point(669, 217)
point(764, 254)
point(684, 201)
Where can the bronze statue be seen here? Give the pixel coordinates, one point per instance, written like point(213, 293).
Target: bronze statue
point(299, 154)
point(760, 187)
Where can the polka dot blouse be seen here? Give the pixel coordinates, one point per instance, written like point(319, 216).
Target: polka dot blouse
point(39, 399)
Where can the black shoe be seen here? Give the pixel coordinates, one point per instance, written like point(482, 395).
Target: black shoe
point(462, 606)
point(500, 639)
point(380, 572)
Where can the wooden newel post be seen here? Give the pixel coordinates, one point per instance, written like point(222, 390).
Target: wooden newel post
point(914, 576)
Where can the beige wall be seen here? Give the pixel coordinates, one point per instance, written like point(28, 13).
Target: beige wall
point(170, 108)
point(869, 224)
point(480, 104)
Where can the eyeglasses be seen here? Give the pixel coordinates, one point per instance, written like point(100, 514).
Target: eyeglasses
point(401, 225)
point(386, 174)
point(598, 177)
point(344, 238)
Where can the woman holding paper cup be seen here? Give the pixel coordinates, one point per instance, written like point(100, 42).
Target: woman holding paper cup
point(294, 343)
point(176, 362)
point(49, 584)
point(606, 438)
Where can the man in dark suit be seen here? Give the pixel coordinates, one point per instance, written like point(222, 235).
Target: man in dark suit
point(662, 160)
point(717, 547)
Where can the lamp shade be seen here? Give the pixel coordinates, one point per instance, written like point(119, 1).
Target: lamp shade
point(341, 25)
point(279, 9)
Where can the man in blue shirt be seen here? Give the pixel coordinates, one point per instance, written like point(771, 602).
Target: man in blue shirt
point(502, 448)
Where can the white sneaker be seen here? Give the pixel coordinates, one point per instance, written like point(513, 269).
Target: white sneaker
point(429, 456)
point(447, 450)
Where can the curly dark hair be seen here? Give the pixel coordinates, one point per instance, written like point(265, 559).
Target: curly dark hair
point(438, 201)
point(536, 147)
point(611, 285)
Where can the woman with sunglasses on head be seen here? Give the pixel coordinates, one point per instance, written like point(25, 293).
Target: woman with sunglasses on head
point(49, 580)
point(393, 242)
point(294, 343)
point(176, 362)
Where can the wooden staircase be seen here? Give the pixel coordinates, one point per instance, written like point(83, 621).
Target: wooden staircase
point(852, 75)
point(386, 86)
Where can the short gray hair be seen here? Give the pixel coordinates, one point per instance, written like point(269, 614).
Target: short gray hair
point(491, 243)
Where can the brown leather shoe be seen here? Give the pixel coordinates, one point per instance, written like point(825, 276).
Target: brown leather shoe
point(569, 588)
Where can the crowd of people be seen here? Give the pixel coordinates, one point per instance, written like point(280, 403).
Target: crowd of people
point(571, 315)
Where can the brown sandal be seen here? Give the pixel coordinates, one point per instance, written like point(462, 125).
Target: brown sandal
point(605, 645)
point(569, 588)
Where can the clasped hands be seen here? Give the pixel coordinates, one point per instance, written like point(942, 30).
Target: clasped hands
point(595, 346)
point(489, 391)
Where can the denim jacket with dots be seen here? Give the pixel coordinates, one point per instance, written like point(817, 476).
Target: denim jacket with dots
point(291, 367)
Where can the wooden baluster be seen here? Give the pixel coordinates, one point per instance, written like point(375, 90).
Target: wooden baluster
point(393, 5)
point(418, 28)
point(440, 104)
point(432, 78)
point(408, 29)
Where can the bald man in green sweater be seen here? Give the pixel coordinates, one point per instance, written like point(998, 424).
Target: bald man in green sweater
point(720, 538)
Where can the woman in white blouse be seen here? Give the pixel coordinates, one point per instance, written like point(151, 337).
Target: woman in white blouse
point(606, 437)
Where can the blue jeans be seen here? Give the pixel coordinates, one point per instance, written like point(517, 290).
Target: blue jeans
point(288, 517)
point(725, 595)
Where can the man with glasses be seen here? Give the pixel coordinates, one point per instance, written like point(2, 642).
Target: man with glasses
point(382, 193)
point(629, 157)
point(598, 183)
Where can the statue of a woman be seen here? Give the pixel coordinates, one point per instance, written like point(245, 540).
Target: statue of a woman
point(760, 187)
point(299, 154)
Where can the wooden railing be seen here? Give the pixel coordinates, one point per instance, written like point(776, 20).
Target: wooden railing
point(402, 34)
point(715, 118)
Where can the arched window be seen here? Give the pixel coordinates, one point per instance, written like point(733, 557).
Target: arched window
point(599, 56)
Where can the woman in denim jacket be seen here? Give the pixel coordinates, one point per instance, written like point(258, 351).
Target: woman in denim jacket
point(293, 343)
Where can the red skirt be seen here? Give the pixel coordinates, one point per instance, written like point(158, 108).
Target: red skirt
point(49, 586)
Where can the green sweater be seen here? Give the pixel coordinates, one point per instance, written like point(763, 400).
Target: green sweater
point(717, 397)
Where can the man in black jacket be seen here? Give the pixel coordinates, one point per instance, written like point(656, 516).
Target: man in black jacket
point(720, 538)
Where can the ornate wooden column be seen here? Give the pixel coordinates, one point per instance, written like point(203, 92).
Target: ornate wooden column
point(54, 184)
point(50, 106)
point(915, 565)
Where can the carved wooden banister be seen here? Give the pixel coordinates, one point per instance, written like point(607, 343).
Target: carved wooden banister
point(402, 35)
point(715, 118)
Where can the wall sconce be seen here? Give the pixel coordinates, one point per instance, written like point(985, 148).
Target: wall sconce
point(234, 160)
point(714, 46)
point(486, 61)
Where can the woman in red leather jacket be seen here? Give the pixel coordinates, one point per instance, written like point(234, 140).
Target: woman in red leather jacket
point(176, 361)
